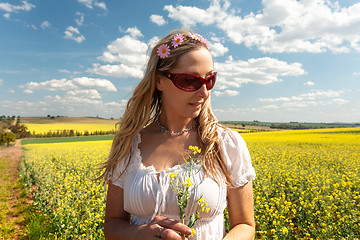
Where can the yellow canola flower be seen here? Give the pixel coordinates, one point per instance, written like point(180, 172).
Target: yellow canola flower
point(193, 232)
point(187, 182)
point(173, 175)
point(203, 203)
point(195, 149)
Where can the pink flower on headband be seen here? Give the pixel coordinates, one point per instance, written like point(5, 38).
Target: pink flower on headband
point(196, 36)
point(177, 40)
point(163, 51)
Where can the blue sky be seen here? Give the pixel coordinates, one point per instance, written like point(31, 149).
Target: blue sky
point(277, 60)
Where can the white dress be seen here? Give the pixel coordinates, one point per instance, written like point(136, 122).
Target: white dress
point(147, 192)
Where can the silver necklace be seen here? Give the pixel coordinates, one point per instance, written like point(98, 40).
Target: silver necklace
point(164, 129)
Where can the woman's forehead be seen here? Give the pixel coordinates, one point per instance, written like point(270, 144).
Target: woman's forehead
point(196, 60)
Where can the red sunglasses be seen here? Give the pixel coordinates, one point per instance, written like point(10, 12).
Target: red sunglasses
point(191, 83)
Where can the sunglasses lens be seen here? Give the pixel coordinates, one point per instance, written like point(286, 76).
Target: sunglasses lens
point(210, 82)
point(188, 83)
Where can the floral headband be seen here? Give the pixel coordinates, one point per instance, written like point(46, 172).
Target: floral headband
point(163, 50)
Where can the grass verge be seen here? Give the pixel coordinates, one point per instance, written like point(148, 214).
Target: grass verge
point(12, 201)
point(66, 139)
point(18, 218)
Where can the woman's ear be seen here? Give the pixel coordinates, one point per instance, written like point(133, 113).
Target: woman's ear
point(160, 82)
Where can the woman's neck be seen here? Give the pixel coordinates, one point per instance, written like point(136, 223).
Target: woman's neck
point(174, 123)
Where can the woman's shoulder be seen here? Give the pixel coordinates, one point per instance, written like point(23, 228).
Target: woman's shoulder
point(230, 136)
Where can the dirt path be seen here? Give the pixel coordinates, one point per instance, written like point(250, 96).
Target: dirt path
point(11, 224)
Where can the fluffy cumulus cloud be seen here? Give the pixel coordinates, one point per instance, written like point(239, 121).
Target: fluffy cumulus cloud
point(225, 93)
point(191, 16)
point(125, 57)
point(93, 3)
point(73, 33)
point(217, 49)
point(77, 96)
point(134, 32)
point(127, 50)
point(69, 104)
point(76, 84)
point(97, 83)
point(282, 25)
point(116, 70)
point(265, 70)
point(157, 19)
point(8, 7)
point(313, 98)
point(85, 93)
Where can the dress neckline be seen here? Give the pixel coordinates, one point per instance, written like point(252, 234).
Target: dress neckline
point(151, 168)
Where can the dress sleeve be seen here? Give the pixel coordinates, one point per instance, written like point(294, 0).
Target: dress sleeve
point(236, 157)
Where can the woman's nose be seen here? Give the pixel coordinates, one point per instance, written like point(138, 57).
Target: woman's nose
point(203, 92)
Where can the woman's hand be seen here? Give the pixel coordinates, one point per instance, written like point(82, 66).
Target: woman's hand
point(163, 228)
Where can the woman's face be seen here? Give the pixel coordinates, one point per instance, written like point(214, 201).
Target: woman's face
point(179, 103)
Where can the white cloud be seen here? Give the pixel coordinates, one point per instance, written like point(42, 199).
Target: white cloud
point(79, 21)
point(15, 8)
point(73, 33)
point(88, 93)
point(100, 5)
point(309, 83)
point(217, 49)
point(1, 81)
point(256, 70)
point(51, 85)
point(28, 91)
point(190, 16)
point(134, 32)
point(98, 83)
point(128, 52)
point(157, 19)
point(282, 25)
point(356, 74)
point(7, 15)
point(120, 70)
point(91, 3)
point(225, 93)
point(45, 24)
point(83, 83)
point(313, 98)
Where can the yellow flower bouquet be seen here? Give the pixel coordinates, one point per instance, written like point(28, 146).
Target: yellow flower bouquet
point(182, 188)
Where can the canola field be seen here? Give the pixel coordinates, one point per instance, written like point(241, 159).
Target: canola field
point(307, 184)
point(40, 128)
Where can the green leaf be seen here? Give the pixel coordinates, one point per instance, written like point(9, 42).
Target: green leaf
point(192, 220)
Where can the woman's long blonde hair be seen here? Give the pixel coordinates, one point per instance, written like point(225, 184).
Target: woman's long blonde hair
point(145, 106)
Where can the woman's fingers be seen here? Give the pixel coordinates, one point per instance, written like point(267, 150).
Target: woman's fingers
point(170, 228)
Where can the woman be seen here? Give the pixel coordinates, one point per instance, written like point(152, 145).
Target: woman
point(168, 112)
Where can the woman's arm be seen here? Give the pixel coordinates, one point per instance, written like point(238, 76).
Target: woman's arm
point(117, 222)
point(241, 213)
